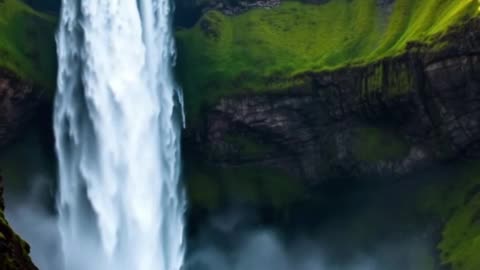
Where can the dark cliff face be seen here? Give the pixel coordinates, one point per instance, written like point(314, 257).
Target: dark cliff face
point(387, 118)
point(14, 252)
point(19, 102)
point(45, 5)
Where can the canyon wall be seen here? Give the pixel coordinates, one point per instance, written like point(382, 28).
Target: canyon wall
point(386, 118)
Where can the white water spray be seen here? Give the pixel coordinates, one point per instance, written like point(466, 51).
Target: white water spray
point(117, 137)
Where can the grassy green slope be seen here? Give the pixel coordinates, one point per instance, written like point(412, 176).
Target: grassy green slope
point(264, 49)
point(27, 42)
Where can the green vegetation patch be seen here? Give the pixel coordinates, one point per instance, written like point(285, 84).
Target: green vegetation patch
point(263, 50)
point(376, 144)
point(249, 147)
point(27, 44)
point(456, 201)
point(387, 77)
point(213, 187)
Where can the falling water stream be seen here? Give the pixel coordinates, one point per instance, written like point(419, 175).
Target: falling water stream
point(117, 137)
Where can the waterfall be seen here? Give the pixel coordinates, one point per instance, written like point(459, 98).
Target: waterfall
point(117, 137)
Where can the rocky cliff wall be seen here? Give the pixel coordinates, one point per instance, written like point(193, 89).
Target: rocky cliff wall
point(19, 102)
point(390, 117)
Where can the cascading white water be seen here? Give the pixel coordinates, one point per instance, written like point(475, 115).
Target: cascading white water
point(117, 137)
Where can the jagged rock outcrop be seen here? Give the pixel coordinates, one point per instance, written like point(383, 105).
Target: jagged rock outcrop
point(18, 103)
point(386, 118)
point(14, 252)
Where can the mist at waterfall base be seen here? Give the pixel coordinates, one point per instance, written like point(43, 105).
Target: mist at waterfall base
point(224, 244)
point(263, 249)
point(28, 171)
point(234, 239)
point(33, 217)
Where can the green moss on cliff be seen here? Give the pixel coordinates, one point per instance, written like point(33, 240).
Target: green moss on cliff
point(14, 252)
point(249, 147)
point(376, 144)
point(213, 187)
point(394, 80)
point(264, 50)
point(27, 44)
point(455, 200)
point(461, 237)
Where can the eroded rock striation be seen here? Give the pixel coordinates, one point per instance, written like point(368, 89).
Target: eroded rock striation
point(390, 117)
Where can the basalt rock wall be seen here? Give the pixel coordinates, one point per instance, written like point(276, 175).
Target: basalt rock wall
point(390, 117)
